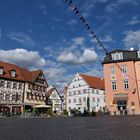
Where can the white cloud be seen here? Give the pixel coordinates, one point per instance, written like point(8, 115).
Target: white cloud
point(22, 57)
point(72, 22)
point(134, 21)
point(112, 7)
point(21, 38)
point(95, 72)
point(43, 8)
point(87, 7)
point(55, 73)
point(107, 39)
point(88, 56)
point(132, 39)
point(78, 41)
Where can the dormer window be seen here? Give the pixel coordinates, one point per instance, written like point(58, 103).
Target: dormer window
point(117, 56)
point(138, 52)
point(1, 70)
point(13, 73)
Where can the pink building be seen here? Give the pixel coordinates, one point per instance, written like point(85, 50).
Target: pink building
point(122, 81)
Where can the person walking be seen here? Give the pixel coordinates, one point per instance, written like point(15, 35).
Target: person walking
point(121, 110)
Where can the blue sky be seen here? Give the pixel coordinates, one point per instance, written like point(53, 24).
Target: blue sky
point(47, 35)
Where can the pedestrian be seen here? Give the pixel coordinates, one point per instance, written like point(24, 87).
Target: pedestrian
point(121, 110)
point(125, 111)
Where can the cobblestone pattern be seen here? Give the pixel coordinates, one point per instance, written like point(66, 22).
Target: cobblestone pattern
point(71, 128)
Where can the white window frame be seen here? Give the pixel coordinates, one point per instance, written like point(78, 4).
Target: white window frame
point(117, 56)
point(124, 68)
point(114, 85)
point(113, 69)
point(13, 73)
point(1, 71)
point(138, 53)
point(126, 84)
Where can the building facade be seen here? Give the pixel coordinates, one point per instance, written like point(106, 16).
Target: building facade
point(54, 99)
point(85, 93)
point(35, 89)
point(122, 80)
point(20, 87)
point(65, 97)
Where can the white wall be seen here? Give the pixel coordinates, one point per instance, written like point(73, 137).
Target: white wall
point(78, 84)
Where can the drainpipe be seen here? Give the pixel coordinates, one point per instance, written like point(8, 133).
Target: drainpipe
point(137, 85)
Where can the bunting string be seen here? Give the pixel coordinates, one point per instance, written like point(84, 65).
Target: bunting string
point(87, 26)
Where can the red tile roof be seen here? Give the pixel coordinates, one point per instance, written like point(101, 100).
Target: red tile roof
point(50, 91)
point(35, 74)
point(94, 82)
point(22, 74)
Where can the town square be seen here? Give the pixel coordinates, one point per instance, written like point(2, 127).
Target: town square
point(69, 70)
point(75, 128)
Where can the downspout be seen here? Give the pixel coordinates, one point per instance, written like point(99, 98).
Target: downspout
point(137, 85)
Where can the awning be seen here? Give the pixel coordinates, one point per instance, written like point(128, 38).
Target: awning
point(120, 97)
point(42, 106)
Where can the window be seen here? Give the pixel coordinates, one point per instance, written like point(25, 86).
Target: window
point(93, 90)
point(138, 52)
point(98, 100)
point(69, 93)
point(8, 84)
point(20, 85)
point(13, 73)
point(29, 86)
point(74, 100)
point(97, 91)
point(14, 85)
point(79, 91)
point(84, 99)
point(38, 88)
point(80, 100)
point(126, 85)
point(1, 71)
point(7, 97)
point(124, 68)
point(117, 56)
point(79, 85)
point(93, 99)
point(112, 70)
point(84, 90)
point(42, 89)
point(114, 87)
point(1, 83)
point(69, 101)
point(74, 92)
point(13, 97)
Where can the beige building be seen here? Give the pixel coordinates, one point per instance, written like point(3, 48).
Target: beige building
point(35, 88)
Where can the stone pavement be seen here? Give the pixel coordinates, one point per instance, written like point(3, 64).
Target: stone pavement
point(71, 128)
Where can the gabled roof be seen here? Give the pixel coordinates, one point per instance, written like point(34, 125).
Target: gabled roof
point(22, 74)
point(35, 74)
point(93, 82)
point(7, 68)
point(49, 92)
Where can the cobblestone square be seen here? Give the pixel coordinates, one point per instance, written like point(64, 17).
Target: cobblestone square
point(71, 128)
